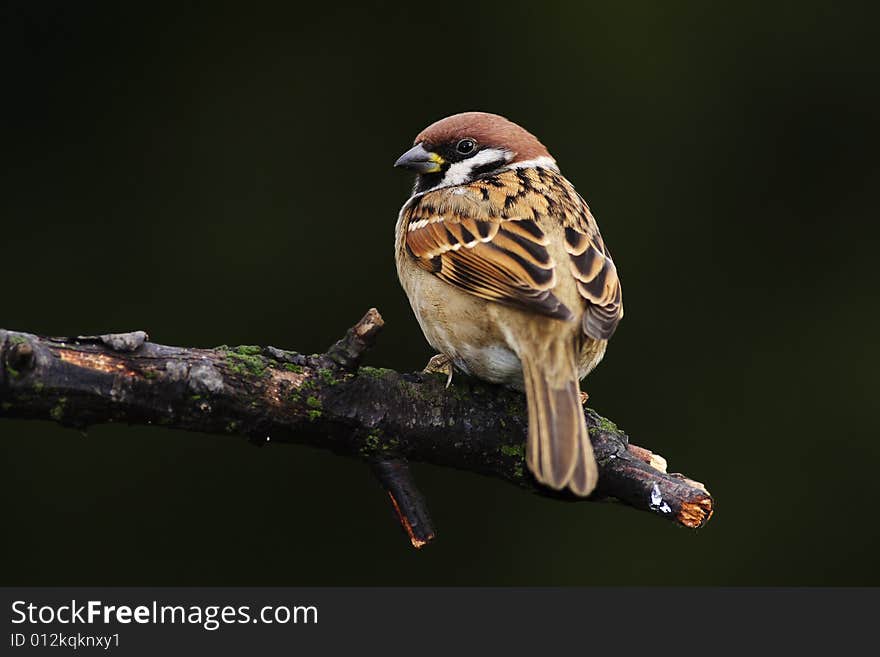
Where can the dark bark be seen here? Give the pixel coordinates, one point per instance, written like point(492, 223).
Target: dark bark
point(325, 400)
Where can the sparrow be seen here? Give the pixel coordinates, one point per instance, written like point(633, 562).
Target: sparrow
point(509, 278)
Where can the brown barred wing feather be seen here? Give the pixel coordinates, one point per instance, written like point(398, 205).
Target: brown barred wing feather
point(459, 239)
point(596, 277)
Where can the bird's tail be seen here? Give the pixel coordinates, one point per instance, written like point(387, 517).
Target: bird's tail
point(559, 452)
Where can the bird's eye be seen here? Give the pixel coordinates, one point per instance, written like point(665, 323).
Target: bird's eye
point(466, 146)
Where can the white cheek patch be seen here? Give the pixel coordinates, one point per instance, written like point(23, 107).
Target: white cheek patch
point(462, 172)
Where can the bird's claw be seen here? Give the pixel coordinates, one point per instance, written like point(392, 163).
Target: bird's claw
point(440, 364)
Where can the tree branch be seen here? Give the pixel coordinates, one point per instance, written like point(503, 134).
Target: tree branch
point(325, 400)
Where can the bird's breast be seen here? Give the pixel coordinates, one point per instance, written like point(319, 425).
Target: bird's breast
point(461, 326)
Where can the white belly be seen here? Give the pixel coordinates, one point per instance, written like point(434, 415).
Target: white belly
point(472, 339)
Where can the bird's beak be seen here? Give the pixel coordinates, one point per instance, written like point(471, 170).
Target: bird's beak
point(420, 160)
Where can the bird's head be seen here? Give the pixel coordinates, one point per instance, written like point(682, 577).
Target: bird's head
point(464, 147)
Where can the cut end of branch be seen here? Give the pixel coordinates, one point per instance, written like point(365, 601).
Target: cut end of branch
point(418, 540)
point(408, 503)
point(348, 352)
point(369, 326)
point(697, 513)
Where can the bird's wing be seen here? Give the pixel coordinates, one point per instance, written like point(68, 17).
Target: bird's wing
point(596, 275)
point(465, 237)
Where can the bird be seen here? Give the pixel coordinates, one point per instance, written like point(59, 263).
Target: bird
point(509, 278)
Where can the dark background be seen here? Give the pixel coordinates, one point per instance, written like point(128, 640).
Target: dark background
point(223, 175)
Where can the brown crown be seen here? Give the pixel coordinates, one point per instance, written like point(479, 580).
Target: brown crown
point(487, 130)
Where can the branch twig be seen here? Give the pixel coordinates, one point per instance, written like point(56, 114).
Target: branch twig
point(325, 400)
point(408, 502)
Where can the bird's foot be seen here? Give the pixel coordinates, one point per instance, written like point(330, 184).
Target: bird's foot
point(440, 364)
point(584, 398)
